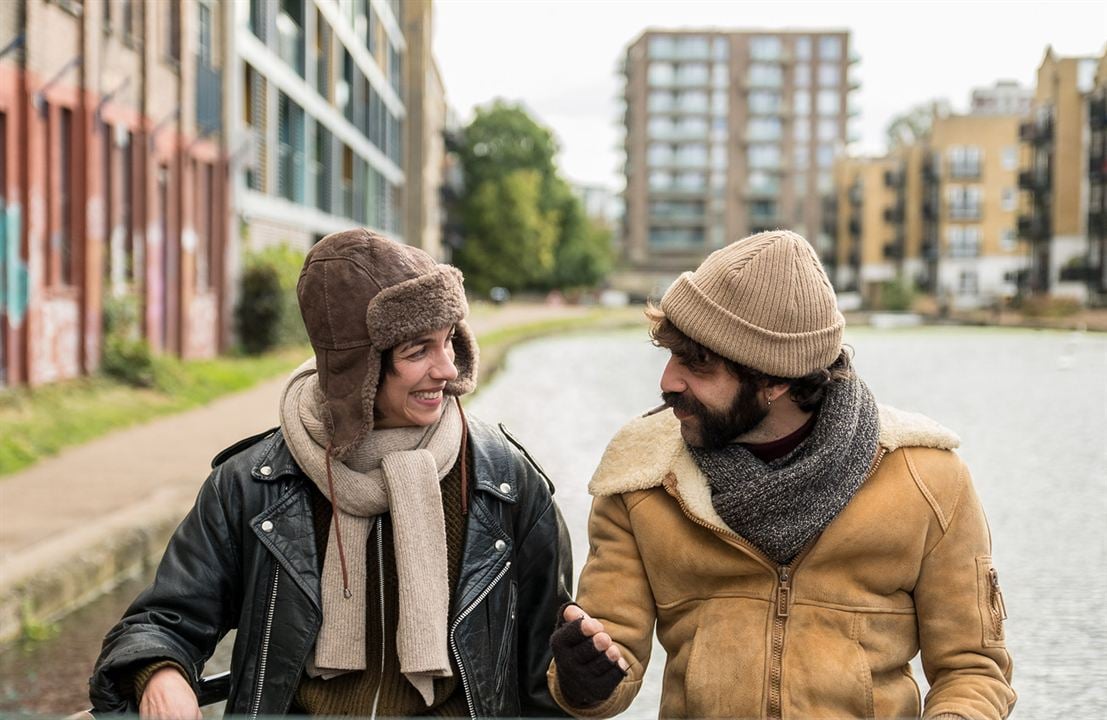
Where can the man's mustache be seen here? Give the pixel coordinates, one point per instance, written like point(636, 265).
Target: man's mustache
point(683, 402)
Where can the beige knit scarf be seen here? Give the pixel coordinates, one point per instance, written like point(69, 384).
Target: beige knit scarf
point(398, 471)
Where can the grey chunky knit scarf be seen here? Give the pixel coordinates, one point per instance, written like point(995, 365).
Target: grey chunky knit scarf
point(781, 505)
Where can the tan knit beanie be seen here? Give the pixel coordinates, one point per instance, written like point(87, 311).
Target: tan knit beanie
point(764, 302)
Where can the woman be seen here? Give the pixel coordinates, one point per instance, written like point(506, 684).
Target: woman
point(380, 553)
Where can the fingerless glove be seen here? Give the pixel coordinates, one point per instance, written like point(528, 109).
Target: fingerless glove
point(585, 675)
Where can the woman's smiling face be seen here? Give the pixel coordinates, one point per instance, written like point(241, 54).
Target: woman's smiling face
point(411, 393)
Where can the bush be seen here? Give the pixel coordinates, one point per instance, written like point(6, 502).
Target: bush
point(258, 314)
point(1047, 306)
point(896, 295)
point(285, 261)
point(126, 356)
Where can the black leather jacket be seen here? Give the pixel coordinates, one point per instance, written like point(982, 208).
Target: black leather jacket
point(245, 557)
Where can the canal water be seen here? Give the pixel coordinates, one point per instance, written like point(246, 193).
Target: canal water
point(1030, 407)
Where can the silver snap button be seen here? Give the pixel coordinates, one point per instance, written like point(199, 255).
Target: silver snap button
point(266, 470)
point(267, 526)
point(501, 546)
point(505, 488)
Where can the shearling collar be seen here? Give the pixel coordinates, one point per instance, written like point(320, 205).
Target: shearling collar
point(649, 452)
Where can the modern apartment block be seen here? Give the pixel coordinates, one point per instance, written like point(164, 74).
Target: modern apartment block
point(319, 109)
point(939, 214)
point(1006, 97)
point(728, 133)
point(1054, 178)
point(112, 180)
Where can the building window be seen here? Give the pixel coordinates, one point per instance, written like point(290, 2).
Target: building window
point(65, 195)
point(764, 157)
point(964, 202)
point(803, 48)
point(322, 168)
point(1009, 199)
point(659, 154)
point(1011, 157)
point(829, 75)
point(692, 102)
point(964, 161)
point(691, 182)
point(801, 130)
point(801, 102)
point(765, 48)
point(800, 157)
point(719, 103)
point(662, 47)
point(721, 48)
point(763, 183)
point(720, 76)
point(830, 48)
point(828, 129)
point(290, 179)
point(173, 32)
point(290, 32)
point(763, 102)
point(660, 101)
point(967, 284)
point(765, 75)
point(204, 41)
point(764, 128)
point(963, 241)
point(824, 156)
point(661, 73)
point(691, 74)
point(259, 19)
point(128, 22)
point(802, 76)
point(660, 180)
point(1008, 240)
point(830, 102)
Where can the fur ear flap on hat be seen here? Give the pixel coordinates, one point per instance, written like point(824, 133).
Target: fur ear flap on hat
point(466, 360)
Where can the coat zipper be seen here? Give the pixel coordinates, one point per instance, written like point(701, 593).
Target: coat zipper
point(999, 608)
point(453, 643)
point(380, 594)
point(266, 634)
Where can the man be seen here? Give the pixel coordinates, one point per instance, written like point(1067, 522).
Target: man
point(795, 544)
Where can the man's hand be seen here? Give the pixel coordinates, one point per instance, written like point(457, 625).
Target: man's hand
point(168, 696)
point(589, 664)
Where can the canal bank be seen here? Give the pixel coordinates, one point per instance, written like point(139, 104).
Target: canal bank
point(74, 526)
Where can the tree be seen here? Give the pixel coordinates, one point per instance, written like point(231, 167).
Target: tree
point(913, 126)
point(522, 227)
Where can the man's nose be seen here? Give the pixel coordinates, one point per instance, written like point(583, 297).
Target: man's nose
point(672, 377)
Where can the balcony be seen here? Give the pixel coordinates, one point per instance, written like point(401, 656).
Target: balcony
point(894, 178)
point(963, 212)
point(854, 227)
point(1038, 131)
point(964, 171)
point(893, 251)
point(929, 250)
point(1034, 180)
point(929, 209)
point(1032, 227)
point(1097, 112)
point(894, 215)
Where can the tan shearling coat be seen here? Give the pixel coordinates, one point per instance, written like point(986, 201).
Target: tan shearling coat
point(905, 565)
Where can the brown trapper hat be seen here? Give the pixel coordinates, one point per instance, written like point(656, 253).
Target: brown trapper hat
point(763, 301)
point(361, 294)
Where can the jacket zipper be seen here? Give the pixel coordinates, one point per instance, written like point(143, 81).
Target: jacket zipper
point(453, 643)
point(266, 634)
point(380, 594)
point(999, 608)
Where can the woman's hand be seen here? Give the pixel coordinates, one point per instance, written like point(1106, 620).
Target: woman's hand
point(168, 696)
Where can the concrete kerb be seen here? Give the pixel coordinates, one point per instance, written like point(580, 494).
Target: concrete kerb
point(51, 580)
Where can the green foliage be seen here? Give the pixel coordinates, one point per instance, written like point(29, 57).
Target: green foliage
point(126, 356)
point(268, 314)
point(897, 295)
point(523, 228)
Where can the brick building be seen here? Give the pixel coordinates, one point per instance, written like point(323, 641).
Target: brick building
point(112, 180)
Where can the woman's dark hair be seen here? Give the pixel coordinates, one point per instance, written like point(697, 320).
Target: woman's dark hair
point(807, 391)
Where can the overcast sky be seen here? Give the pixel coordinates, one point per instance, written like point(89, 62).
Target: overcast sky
point(559, 58)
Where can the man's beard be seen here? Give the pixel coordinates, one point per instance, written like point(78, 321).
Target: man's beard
point(713, 430)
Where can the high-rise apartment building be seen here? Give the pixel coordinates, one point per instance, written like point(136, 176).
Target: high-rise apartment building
point(728, 133)
point(1054, 180)
point(318, 106)
point(112, 180)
